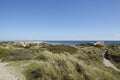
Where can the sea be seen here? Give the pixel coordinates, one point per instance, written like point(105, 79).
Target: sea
point(79, 42)
point(72, 42)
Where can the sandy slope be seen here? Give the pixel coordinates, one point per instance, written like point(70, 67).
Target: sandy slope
point(109, 64)
point(9, 73)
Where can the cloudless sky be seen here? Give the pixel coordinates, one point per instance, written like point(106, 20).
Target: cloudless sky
point(59, 19)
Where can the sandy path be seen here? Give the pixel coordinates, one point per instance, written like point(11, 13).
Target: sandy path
point(9, 73)
point(109, 64)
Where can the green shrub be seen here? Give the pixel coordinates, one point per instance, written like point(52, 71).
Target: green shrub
point(62, 49)
point(3, 52)
point(17, 55)
point(115, 58)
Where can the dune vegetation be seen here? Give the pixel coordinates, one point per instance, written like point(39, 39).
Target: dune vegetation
point(43, 61)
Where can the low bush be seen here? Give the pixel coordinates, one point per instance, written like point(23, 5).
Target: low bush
point(17, 55)
point(115, 58)
point(3, 52)
point(62, 49)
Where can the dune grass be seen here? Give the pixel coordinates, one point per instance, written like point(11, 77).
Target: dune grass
point(52, 66)
point(63, 62)
point(55, 67)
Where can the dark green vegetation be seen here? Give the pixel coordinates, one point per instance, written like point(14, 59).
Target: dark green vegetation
point(17, 55)
point(61, 49)
point(114, 50)
point(62, 62)
point(3, 52)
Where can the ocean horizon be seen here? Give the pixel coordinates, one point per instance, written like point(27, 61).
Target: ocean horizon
point(66, 42)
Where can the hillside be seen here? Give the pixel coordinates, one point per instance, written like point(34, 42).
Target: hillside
point(42, 61)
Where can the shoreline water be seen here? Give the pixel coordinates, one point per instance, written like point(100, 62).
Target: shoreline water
point(69, 42)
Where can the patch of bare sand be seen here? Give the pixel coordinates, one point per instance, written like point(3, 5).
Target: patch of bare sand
point(9, 73)
point(109, 64)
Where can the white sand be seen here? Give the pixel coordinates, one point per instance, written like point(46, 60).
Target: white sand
point(109, 64)
point(9, 73)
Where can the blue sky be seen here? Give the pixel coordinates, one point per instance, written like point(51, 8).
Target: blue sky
point(59, 19)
